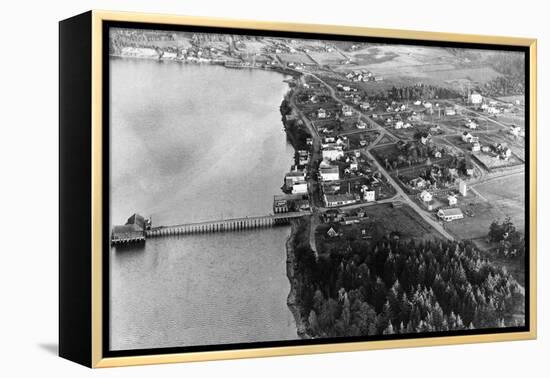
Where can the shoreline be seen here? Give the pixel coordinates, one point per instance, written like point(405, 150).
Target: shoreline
point(293, 279)
point(213, 62)
point(291, 266)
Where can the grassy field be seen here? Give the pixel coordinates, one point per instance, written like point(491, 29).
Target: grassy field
point(498, 199)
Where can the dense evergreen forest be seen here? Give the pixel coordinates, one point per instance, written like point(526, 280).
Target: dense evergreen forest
point(391, 286)
point(415, 92)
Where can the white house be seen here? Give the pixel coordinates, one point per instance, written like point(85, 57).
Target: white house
point(398, 125)
point(452, 200)
point(466, 137)
point(361, 125)
point(369, 195)
point(475, 98)
point(364, 105)
point(476, 146)
point(426, 196)
point(321, 113)
point(471, 124)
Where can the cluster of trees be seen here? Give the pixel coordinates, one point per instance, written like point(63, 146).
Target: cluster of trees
point(391, 286)
point(512, 67)
point(505, 86)
point(419, 91)
point(511, 242)
point(296, 131)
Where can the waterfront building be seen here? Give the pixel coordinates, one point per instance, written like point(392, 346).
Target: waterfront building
point(131, 232)
point(299, 187)
point(294, 176)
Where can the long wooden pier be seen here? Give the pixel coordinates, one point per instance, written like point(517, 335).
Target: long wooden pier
point(226, 225)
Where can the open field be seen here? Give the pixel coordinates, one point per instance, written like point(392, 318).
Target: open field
point(326, 57)
point(296, 58)
point(498, 199)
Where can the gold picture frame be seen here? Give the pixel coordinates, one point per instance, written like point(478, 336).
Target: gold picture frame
point(94, 21)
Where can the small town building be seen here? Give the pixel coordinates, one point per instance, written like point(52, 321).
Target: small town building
point(493, 110)
point(321, 113)
point(295, 176)
point(451, 214)
point(347, 111)
point(364, 105)
point(332, 153)
point(471, 124)
point(452, 200)
point(329, 173)
point(426, 196)
point(515, 130)
point(309, 141)
point(462, 188)
point(475, 98)
point(476, 147)
point(450, 111)
point(303, 157)
point(418, 183)
point(466, 137)
point(332, 200)
point(299, 187)
point(332, 232)
point(369, 195)
point(398, 125)
point(486, 148)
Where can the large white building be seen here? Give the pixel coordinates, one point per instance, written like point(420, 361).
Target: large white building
point(332, 200)
point(329, 173)
point(449, 215)
point(475, 98)
point(299, 187)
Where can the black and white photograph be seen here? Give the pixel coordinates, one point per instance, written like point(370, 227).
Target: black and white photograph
point(268, 188)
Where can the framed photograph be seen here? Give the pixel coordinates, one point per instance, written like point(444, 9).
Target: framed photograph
point(235, 189)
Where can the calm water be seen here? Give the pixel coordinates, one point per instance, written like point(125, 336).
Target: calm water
point(192, 143)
